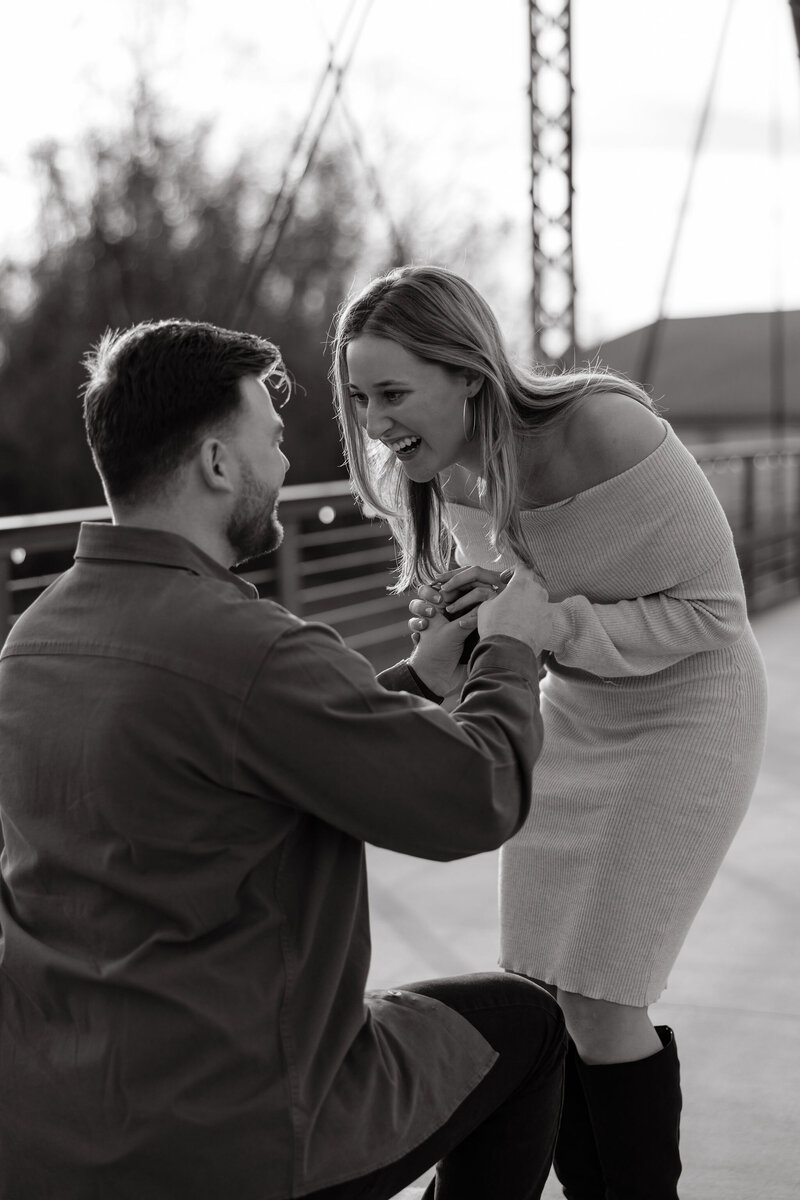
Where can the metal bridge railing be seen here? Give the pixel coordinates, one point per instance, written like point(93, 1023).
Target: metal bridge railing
point(335, 565)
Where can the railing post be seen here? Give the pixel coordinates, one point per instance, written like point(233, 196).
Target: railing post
point(747, 550)
point(288, 562)
point(5, 597)
point(796, 457)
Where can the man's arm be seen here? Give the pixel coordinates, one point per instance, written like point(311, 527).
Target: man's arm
point(319, 733)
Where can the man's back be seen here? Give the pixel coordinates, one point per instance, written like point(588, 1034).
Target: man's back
point(186, 780)
point(132, 859)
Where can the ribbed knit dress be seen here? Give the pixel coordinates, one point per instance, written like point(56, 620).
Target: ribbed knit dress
point(654, 708)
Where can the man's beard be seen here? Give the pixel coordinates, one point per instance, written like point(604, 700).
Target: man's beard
point(253, 526)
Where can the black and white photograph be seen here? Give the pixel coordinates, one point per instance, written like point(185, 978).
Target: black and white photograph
point(400, 591)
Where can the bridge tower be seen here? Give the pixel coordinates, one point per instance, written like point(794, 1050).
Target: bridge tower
point(550, 91)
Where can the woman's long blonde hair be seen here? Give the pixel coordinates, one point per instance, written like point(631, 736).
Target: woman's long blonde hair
point(441, 318)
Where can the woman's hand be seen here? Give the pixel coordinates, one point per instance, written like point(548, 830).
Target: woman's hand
point(456, 591)
point(438, 644)
point(465, 587)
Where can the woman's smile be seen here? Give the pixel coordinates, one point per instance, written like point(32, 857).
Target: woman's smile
point(404, 447)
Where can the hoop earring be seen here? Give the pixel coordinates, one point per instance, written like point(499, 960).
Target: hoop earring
point(469, 433)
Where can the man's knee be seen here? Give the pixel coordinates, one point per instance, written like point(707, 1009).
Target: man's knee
point(482, 991)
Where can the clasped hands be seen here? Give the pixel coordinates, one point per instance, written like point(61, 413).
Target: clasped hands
point(513, 603)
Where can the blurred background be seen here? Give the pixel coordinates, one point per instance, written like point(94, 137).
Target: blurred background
point(145, 143)
point(621, 180)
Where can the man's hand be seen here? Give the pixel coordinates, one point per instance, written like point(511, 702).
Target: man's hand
point(438, 646)
point(521, 611)
point(457, 591)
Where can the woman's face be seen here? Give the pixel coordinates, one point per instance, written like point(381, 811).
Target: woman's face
point(413, 406)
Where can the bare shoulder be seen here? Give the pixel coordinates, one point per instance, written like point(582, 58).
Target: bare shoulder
point(609, 432)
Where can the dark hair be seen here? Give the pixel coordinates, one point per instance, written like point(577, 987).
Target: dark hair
point(155, 387)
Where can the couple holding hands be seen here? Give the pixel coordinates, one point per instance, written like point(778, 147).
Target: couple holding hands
point(189, 777)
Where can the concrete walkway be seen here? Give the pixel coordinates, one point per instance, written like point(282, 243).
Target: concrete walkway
point(734, 995)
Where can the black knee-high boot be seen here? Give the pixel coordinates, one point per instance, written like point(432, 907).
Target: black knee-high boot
point(635, 1110)
point(576, 1162)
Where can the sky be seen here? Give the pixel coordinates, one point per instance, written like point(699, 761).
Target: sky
point(438, 92)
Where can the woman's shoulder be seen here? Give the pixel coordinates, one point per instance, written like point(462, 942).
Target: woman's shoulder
point(608, 433)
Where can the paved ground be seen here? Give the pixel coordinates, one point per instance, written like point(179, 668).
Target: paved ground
point(734, 995)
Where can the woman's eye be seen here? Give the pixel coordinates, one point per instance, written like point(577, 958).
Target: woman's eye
point(358, 400)
point(393, 397)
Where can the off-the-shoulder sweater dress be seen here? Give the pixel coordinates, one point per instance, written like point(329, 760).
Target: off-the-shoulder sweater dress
point(654, 710)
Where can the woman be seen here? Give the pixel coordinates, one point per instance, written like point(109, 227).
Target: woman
point(654, 694)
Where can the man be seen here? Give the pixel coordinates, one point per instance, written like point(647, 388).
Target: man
point(188, 776)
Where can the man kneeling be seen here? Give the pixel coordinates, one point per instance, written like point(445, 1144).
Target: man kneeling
point(188, 775)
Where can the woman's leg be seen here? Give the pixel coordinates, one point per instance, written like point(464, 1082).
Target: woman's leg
point(576, 1161)
point(608, 1033)
point(630, 1076)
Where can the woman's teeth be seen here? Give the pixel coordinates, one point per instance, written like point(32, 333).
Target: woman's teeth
point(405, 447)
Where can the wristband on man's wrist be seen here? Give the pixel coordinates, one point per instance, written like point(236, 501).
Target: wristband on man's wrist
point(423, 687)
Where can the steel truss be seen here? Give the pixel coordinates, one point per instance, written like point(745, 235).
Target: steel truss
point(551, 180)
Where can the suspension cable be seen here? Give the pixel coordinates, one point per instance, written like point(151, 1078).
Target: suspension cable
point(653, 338)
point(368, 167)
point(276, 220)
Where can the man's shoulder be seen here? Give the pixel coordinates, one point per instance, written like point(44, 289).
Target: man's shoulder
point(204, 629)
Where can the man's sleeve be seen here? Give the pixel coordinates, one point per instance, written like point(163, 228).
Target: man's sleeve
point(319, 733)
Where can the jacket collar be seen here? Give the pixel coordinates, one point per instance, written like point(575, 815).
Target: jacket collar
point(129, 543)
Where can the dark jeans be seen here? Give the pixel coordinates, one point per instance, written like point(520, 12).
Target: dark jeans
point(499, 1141)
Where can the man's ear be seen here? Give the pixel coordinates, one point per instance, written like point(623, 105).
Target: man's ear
point(215, 464)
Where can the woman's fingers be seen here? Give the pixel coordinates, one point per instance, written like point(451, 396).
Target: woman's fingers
point(421, 611)
point(421, 608)
point(461, 576)
point(454, 583)
point(466, 600)
point(457, 591)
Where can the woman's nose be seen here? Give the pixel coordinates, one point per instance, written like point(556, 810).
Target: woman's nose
point(376, 421)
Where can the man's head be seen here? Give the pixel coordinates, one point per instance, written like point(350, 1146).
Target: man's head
point(182, 428)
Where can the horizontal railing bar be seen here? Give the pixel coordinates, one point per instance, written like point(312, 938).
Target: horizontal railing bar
point(344, 533)
point(772, 562)
point(270, 574)
point(377, 637)
point(757, 535)
point(292, 496)
point(332, 489)
point(63, 516)
point(749, 448)
point(338, 562)
point(354, 612)
point(342, 587)
point(33, 581)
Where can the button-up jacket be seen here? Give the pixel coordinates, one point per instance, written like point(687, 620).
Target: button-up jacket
point(188, 775)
